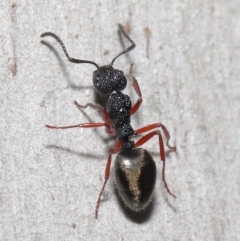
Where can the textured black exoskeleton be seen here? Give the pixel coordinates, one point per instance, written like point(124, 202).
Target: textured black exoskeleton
point(135, 169)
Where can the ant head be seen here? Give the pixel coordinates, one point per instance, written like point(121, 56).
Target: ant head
point(106, 79)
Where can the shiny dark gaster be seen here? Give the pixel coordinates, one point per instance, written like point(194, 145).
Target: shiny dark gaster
point(135, 177)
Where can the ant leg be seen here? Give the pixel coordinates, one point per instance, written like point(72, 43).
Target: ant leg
point(104, 114)
point(157, 125)
point(96, 107)
point(76, 61)
point(146, 138)
point(84, 125)
point(93, 106)
point(137, 90)
point(113, 150)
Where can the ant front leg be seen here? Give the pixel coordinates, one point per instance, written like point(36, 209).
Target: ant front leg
point(146, 138)
point(104, 114)
point(95, 107)
point(83, 125)
point(137, 90)
point(113, 150)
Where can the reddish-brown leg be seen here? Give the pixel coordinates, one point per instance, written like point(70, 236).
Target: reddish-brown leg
point(153, 126)
point(113, 150)
point(104, 113)
point(84, 125)
point(138, 91)
point(146, 138)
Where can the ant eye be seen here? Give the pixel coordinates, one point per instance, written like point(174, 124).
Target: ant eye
point(120, 72)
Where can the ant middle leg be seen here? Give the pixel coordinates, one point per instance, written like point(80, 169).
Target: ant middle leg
point(146, 138)
point(157, 125)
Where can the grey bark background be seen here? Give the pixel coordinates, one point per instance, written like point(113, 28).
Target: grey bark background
point(190, 81)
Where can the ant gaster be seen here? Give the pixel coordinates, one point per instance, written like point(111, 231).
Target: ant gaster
point(135, 169)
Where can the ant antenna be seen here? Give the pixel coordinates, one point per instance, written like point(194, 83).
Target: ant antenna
point(131, 47)
point(76, 61)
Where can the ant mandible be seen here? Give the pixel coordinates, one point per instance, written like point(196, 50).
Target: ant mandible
point(135, 169)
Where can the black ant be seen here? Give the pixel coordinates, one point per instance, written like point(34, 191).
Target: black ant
point(135, 169)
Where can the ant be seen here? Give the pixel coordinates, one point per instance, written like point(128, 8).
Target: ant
point(135, 169)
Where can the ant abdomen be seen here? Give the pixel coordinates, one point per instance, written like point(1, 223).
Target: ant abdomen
point(135, 177)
